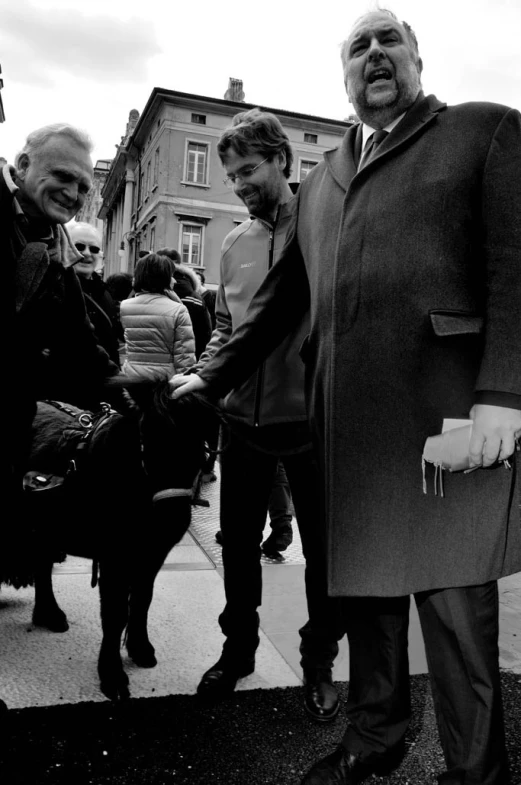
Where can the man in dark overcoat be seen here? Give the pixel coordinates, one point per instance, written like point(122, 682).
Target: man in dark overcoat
point(50, 350)
point(408, 255)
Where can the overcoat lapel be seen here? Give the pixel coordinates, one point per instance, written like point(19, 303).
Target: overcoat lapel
point(342, 161)
point(421, 114)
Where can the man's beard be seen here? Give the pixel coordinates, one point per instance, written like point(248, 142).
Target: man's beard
point(262, 204)
point(375, 113)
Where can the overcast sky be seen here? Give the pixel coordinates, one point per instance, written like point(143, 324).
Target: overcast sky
point(89, 62)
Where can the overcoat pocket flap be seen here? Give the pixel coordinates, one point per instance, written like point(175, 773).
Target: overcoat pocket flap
point(456, 323)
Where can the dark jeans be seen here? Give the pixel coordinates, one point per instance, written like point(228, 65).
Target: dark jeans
point(247, 476)
point(279, 506)
point(460, 630)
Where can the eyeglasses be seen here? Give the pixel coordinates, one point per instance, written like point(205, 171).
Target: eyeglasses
point(94, 249)
point(243, 175)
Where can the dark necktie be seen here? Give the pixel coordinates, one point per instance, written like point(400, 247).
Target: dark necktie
point(372, 145)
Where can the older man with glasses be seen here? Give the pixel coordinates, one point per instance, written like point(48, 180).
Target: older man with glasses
point(101, 308)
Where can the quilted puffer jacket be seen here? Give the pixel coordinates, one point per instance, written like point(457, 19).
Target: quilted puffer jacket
point(159, 338)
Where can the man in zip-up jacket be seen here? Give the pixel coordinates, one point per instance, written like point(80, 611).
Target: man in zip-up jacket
point(267, 421)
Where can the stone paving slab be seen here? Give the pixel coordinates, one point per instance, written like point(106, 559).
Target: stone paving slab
point(41, 668)
point(205, 524)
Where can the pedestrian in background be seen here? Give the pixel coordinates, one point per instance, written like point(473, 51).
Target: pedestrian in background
point(280, 517)
point(186, 285)
point(208, 295)
point(159, 339)
point(102, 310)
point(119, 286)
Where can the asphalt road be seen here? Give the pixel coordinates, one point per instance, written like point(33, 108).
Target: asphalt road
point(256, 737)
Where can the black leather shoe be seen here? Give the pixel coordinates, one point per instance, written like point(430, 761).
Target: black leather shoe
point(340, 768)
point(220, 680)
point(278, 541)
point(320, 695)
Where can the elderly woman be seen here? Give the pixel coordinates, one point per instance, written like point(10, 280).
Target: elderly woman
point(159, 338)
point(101, 308)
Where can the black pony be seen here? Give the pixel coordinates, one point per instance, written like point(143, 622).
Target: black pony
point(125, 505)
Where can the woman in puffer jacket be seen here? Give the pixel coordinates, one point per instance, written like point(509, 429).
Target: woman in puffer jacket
point(159, 338)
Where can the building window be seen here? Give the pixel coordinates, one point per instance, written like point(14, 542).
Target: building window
point(311, 138)
point(192, 243)
point(148, 185)
point(156, 167)
point(141, 187)
point(152, 239)
point(305, 168)
point(196, 163)
point(200, 119)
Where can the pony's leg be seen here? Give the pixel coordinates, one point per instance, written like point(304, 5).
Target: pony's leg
point(46, 612)
point(139, 648)
point(170, 518)
point(114, 588)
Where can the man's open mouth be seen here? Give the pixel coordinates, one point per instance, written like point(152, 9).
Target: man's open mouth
point(378, 74)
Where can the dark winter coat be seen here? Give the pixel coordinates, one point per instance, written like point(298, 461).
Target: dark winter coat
point(103, 314)
point(186, 289)
point(412, 270)
point(51, 351)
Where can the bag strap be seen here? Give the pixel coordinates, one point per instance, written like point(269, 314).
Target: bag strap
point(85, 418)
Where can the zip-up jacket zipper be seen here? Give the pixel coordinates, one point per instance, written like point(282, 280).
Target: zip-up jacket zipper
point(260, 373)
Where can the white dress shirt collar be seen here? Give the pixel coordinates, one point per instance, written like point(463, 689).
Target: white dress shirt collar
point(367, 130)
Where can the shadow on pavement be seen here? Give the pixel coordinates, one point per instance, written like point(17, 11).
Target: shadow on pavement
point(258, 736)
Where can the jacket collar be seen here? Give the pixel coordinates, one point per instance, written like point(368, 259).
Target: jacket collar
point(284, 210)
point(342, 161)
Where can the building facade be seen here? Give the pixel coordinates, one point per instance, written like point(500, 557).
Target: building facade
point(165, 187)
point(93, 203)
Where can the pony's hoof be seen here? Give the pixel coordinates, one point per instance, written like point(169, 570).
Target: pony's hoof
point(143, 654)
point(113, 679)
point(54, 619)
point(115, 691)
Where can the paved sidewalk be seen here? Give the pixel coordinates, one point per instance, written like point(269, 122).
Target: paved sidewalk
point(62, 730)
point(183, 626)
point(283, 609)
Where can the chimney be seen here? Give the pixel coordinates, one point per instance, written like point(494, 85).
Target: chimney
point(234, 91)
